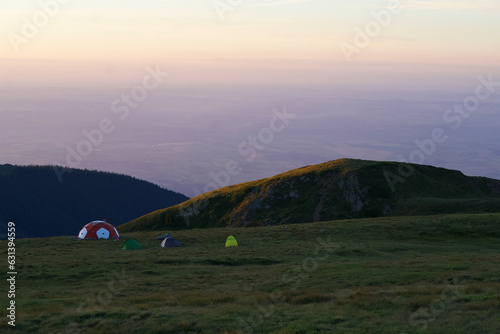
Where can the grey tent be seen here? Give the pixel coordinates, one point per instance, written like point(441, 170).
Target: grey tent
point(170, 242)
point(161, 237)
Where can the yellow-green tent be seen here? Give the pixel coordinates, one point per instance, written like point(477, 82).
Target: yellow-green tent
point(231, 242)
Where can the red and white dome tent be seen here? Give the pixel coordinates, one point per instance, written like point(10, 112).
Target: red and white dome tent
point(98, 229)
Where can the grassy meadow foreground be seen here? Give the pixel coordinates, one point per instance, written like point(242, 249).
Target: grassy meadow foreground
point(433, 274)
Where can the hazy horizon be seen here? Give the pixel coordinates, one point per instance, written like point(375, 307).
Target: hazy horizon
point(177, 87)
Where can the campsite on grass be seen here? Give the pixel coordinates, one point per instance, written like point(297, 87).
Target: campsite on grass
point(429, 274)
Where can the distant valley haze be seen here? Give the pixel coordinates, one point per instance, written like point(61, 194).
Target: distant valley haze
point(184, 138)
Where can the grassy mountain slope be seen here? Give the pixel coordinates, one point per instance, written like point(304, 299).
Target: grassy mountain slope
point(41, 205)
point(391, 275)
point(337, 189)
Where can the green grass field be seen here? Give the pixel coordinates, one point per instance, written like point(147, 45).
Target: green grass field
point(432, 274)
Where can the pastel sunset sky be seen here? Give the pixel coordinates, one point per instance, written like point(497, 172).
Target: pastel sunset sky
point(64, 64)
point(253, 38)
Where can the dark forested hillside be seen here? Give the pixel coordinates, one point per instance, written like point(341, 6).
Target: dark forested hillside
point(41, 205)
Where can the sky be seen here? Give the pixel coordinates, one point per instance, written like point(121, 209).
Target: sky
point(207, 41)
point(365, 79)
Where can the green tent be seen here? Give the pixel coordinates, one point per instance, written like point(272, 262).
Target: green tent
point(231, 242)
point(132, 244)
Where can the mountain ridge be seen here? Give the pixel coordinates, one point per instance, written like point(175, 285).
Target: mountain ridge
point(338, 189)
